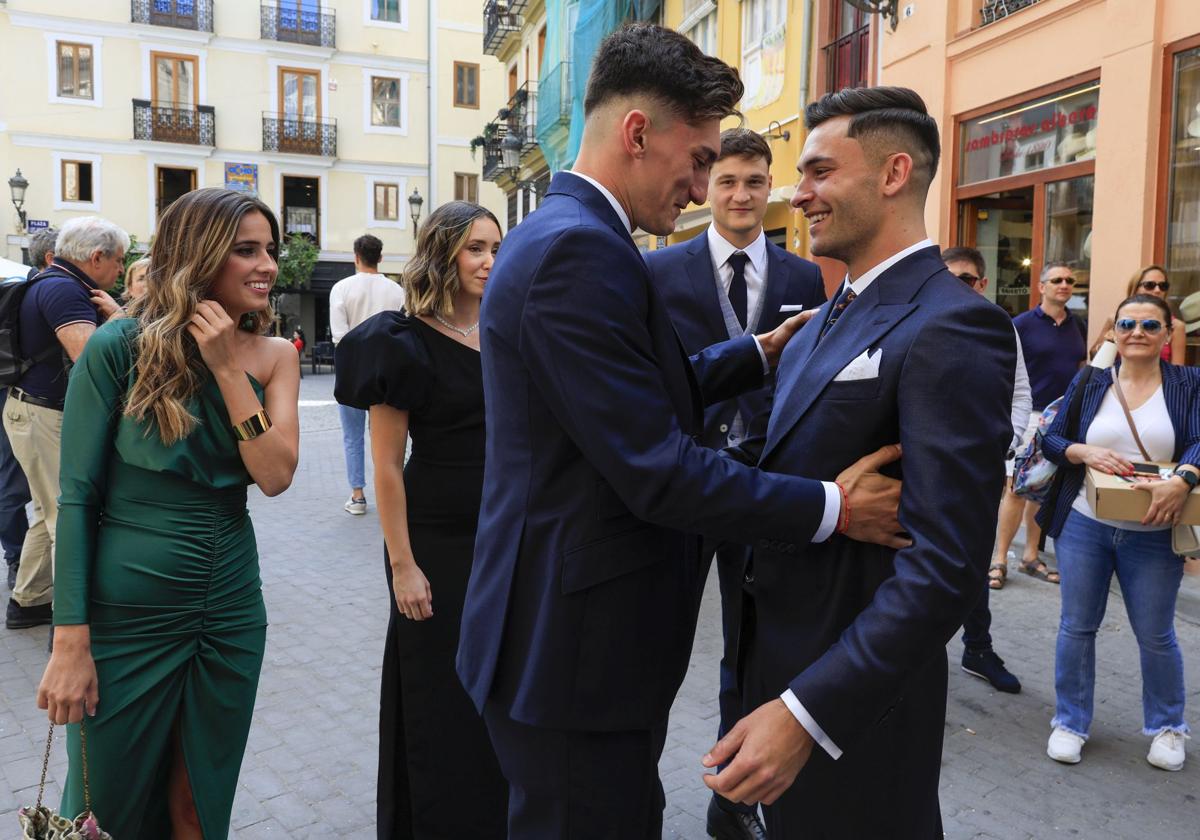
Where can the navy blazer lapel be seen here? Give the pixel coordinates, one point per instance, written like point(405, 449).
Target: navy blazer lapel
point(774, 289)
point(568, 183)
point(704, 287)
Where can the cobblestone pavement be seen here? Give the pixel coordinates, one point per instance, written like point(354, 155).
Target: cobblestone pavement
point(310, 764)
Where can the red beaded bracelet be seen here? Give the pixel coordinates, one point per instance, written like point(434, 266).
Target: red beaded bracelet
point(843, 520)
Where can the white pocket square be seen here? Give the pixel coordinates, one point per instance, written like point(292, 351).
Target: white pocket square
point(865, 366)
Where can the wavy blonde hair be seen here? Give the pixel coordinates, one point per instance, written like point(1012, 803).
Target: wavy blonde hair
point(195, 237)
point(431, 277)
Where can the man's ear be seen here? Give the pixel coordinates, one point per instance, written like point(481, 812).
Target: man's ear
point(634, 129)
point(983, 283)
point(897, 172)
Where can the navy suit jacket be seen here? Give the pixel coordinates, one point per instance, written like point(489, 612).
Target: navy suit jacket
point(582, 600)
point(858, 630)
point(1181, 393)
point(683, 275)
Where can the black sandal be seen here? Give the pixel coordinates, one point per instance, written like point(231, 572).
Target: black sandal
point(997, 575)
point(1039, 570)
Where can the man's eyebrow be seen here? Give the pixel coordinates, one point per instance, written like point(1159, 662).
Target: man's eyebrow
point(813, 161)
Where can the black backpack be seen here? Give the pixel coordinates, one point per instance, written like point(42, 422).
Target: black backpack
point(13, 365)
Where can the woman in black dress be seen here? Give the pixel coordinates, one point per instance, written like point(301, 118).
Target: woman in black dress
point(420, 374)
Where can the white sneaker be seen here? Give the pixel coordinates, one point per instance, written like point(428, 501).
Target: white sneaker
point(1166, 750)
point(1064, 746)
point(356, 507)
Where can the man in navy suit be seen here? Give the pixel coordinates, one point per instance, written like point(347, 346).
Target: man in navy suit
point(728, 282)
point(582, 601)
point(844, 641)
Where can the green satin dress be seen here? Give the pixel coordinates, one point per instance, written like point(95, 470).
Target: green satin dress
point(156, 552)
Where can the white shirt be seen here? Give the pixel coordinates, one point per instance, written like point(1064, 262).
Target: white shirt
point(1022, 403)
point(358, 297)
point(720, 250)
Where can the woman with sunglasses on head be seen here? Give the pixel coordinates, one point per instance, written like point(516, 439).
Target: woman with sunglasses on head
point(420, 373)
point(1151, 280)
point(1142, 409)
point(160, 625)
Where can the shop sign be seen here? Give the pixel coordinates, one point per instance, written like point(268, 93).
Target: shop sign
point(34, 225)
point(242, 177)
point(1052, 131)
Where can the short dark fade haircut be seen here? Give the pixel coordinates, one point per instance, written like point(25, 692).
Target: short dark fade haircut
point(369, 250)
point(965, 254)
point(744, 143)
point(895, 114)
point(659, 62)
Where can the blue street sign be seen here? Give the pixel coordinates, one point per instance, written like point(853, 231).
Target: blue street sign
point(34, 225)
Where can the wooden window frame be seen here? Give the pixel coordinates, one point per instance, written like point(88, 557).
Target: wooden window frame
point(472, 179)
point(385, 185)
point(463, 103)
point(299, 71)
point(158, 168)
point(91, 181)
point(58, 54)
point(174, 101)
point(1163, 185)
point(399, 102)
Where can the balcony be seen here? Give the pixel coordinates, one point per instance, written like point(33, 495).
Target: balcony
point(298, 22)
point(554, 99)
point(848, 60)
point(501, 19)
point(520, 116)
point(994, 10)
point(181, 14)
point(166, 123)
point(493, 155)
point(299, 135)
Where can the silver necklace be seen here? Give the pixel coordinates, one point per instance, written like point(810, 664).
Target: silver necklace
point(464, 333)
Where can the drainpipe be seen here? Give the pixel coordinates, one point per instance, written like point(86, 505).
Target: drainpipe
point(431, 12)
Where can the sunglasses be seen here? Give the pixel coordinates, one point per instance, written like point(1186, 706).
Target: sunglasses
point(1054, 281)
point(1150, 326)
point(1151, 285)
point(967, 277)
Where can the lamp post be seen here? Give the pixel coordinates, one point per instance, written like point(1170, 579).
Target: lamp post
point(414, 208)
point(510, 157)
point(17, 184)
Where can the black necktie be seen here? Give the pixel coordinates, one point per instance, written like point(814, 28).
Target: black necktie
point(737, 288)
point(839, 306)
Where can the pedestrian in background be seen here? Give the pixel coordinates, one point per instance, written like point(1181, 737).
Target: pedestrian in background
point(1151, 280)
point(420, 373)
point(1143, 409)
point(1053, 342)
point(352, 301)
point(160, 623)
point(135, 279)
point(41, 250)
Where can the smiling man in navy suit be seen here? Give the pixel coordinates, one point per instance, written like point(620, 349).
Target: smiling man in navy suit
point(728, 282)
point(582, 601)
point(845, 641)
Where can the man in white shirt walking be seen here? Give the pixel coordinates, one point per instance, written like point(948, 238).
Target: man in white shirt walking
point(352, 301)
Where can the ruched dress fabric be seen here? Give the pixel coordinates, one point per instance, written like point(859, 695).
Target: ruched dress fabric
point(157, 554)
point(438, 775)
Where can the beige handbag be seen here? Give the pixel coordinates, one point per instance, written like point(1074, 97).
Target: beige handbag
point(40, 823)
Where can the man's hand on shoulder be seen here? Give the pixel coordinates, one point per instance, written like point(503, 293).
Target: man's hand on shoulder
point(872, 500)
point(106, 306)
point(774, 341)
point(768, 748)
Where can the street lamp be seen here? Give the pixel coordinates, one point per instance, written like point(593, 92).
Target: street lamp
point(884, 8)
point(510, 158)
point(17, 184)
point(414, 208)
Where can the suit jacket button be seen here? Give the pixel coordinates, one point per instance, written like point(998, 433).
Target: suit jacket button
point(724, 428)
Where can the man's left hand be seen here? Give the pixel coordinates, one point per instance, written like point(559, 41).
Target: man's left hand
point(105, 305)
point(774, 341)
point(768, 747)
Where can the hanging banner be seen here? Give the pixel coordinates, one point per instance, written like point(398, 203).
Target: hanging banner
point(763, 72)
point(242, 177)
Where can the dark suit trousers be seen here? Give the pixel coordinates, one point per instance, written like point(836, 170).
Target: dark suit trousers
point(579, 785)
point(977, 626)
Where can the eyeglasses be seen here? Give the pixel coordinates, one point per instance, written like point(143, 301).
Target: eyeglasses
point(967, 277)
point(1054, 281)
point(1151, 285)
point(1150, 326)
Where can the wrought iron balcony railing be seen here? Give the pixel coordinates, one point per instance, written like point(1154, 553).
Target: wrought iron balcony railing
point(520, 115)
point(848, 60)
point(168, 124)
point(554, 98)
point(994, 10)
point(181, 14)
point(298, 23)
point(493, 154)
point(299, 135)
point(501, 18)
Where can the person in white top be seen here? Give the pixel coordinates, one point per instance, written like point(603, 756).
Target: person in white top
point(352, 301)
point(978, 659)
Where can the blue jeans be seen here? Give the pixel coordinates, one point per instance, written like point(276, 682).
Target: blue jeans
point(14, 495)
point(1149, 573)
point(354, 424)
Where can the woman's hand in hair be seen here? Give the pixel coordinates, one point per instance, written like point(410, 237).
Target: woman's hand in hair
point(216, 336)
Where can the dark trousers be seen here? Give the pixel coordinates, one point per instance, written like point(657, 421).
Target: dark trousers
point(977, 636)
point(579, 785)
point(14, 495)
point(731, 562)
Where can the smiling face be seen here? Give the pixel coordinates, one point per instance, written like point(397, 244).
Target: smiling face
point(739, 188)
point(244, 282)
point(671, 170)
point(1138, 343)
point(839, 191)
point(474, 260)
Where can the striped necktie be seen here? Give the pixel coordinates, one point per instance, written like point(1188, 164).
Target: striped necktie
point(839, 306)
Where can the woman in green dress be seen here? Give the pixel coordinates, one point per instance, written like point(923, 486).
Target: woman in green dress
point(160, 624)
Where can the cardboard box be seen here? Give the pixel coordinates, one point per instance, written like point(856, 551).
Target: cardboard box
point(1115, 498)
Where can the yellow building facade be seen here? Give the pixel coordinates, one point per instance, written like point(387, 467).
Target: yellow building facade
point(333, 113)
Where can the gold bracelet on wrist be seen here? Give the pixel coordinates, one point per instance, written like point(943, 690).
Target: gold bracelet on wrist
point(253, 426)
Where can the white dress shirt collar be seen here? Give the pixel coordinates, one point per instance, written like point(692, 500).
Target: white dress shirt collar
point(616, 205)
point(722, 250)
point(860, 285)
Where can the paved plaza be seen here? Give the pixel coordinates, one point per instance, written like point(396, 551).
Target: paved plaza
point(309, 770)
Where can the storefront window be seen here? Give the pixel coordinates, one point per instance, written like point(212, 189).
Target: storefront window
point(1000, 225)
point(1183, 194)
point(1052, 131)
point(1069, 233)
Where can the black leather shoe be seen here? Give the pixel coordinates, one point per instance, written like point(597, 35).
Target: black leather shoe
point(20, 618)
point(988, 666)
point(729, 824)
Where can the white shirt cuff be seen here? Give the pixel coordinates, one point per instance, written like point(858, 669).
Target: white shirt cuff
point(762, 354)
point(833, 512)
point(810, 726)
